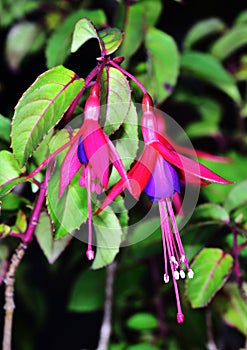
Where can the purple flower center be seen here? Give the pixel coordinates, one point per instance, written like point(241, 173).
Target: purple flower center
point(164, 181)
point(81, 152)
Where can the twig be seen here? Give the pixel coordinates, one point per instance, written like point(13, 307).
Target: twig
point(9, 294)
point(16, 259)
point(105, 331)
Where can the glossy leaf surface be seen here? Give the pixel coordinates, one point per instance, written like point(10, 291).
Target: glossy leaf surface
point(212, 268)
point(44, 233)
point(108, 237)
point(41, 107)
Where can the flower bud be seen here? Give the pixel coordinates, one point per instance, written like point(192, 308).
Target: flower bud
point(92, 107)
point(147, 103)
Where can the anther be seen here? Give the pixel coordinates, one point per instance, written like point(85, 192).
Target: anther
point(174, 261)
point(176, 275)
point(90, 254)
point(182, 258)
point(166, 278)
point(180, 318)
point(190, 273)
point(182, 273)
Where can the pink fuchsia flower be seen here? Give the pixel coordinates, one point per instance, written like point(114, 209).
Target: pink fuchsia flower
point(93, 152)
point(158, 173)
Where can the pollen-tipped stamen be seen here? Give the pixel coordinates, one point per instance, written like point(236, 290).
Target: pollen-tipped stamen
point(169, 247)
point(89, 252)
point(166, 275)
point(183, 257)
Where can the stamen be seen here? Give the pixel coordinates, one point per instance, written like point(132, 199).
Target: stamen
point(166, 278)
point(164, 240)
point(182, 273)
point(90, 252)
point(174, 261)
point(182, 258)
point(175, 228)
point(176, 275)
point(190, 273)
point(169, 248)
point(180, 317)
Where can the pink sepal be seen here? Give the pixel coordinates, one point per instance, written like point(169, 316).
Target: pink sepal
point(70, 167)
point(188, 165)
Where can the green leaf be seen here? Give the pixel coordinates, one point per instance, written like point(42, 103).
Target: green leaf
point(108, 235)
point(44, 233)
point(20, 41)
point(87, 293)
point(59, 44)
point(143, 346)
point(232, 307)
point(4, 128)
point(241, 18)
point(11, 201)
point(211, 212)
point(84, 31)
point(133, 33)
point(20, 223)
point(9, 172)
point(115, 98)
point(16, 10)
point(203, 29)
point(140, 16)
point(111, 39)
point(206, 67)
point(145, 240)
point(236, 197)
point(230, 42)
point(209, 109)
point(120, 209)
point(212, 268)
point(4, 253)
point(5, 230)
point(70, 211)
point(127, 145)
point(163, 62)
point(41, 107)
point(118, 346)
point(142, 321)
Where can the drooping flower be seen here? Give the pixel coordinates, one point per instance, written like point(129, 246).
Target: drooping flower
point(93, 152)
point(158, 173)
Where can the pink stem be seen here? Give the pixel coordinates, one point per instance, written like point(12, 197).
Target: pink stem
point(141, 86)
point(243, 245)
point(175, 230)
point(90, 252)
point(34, 219)
point(53, 155)
point(180, 316)
point(162, 218)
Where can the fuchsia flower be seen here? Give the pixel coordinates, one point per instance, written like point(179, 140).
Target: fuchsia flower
point(93, 152)
point(158, 173)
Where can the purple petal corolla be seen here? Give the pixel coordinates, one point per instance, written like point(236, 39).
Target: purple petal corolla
point(164, 181)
